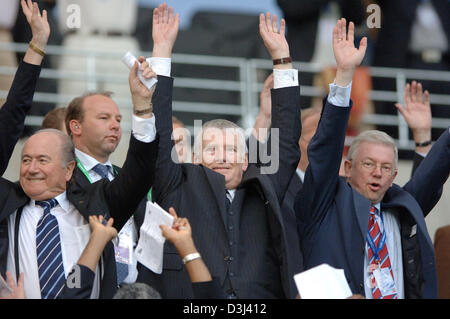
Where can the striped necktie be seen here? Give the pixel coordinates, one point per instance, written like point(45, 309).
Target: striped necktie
point(49, 254)
point(380, 258)
point(101, 170)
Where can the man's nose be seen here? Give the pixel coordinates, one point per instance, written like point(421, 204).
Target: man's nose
point(33, 167)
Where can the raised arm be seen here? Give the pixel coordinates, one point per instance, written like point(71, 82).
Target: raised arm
point(164, 33)
point(428, 179)
point(264, 118)
point(137, 176)
point(285, 106)
point(326, 147)
point(20, 96)
point(417, 113)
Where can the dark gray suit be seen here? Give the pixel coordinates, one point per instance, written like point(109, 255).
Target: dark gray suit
point(245, 249)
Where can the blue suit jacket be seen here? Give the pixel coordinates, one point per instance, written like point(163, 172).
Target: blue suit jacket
point(333, 217)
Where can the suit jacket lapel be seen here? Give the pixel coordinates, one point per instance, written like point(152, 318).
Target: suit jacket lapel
point(395, 198)
point(217, 183)
point(16, 198)
point(362, 208)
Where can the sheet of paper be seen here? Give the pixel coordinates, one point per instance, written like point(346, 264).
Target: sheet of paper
point(322, 282)
point(149, 250)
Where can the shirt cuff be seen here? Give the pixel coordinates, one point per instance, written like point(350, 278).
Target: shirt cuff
point(340, 96)
point(285, 78)
point(161, 66)
point(144, 130)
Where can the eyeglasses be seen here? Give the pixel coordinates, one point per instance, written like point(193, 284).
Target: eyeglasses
point(370, 166)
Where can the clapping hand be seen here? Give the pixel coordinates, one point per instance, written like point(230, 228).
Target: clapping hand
point(347, 56)
point(165, 30)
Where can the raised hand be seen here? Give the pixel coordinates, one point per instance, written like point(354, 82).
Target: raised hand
point(102, 230)
point(347, 56)
point(274, 39)
point(165, 30)
point(38, 23)
point(140, 94)
point(417, 111)
point(180, 235)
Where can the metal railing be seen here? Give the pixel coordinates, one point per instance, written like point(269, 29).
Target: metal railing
point(246, 86)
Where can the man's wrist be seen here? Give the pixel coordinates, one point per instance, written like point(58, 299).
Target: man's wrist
point(421, 135)
point(344, 76)
point(162, 51)
point(40, 41)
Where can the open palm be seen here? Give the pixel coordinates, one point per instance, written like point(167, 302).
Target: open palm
point(165, 28)
point(417, 112)
point(37, 21)
point(346, 54)
point(274, 39)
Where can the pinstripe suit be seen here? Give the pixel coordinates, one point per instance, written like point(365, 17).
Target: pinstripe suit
point(255, 265)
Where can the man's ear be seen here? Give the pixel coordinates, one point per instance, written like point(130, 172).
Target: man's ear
point(347, 168)
point(70, 167)
point(75, 128)
point(245, 164)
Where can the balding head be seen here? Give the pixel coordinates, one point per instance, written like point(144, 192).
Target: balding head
point(47, 164)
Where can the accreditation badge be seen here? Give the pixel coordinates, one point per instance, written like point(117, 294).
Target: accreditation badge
point(384, 281)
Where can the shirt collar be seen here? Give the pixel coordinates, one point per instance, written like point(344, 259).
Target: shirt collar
point(63, 202)
point(88, 161)
point(300, 174)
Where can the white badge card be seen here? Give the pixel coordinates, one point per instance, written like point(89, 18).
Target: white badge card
point(123, 251)
point(384, 280)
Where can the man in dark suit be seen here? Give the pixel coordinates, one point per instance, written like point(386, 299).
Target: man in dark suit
point(20, 96)
point(309, 119)
point(239, 235)
point(368, 226)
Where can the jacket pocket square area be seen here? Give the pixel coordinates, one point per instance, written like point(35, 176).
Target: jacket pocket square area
point(413, 230)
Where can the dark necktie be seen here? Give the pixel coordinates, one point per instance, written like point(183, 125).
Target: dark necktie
point(227, 201)
point(101, 170)
point(49, 254)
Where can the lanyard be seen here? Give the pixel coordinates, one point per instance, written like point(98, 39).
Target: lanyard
point(86, 173)
point(371, 243)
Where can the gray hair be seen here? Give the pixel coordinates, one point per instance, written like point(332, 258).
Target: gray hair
point(67, 148)
point(137, 291)
point(372, 136)
point(223, 125)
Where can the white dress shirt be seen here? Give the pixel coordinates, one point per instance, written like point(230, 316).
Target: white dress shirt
point(74, 233)
point(129, 229)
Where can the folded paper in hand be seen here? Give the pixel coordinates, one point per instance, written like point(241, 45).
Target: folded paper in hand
point(149, 250)
point(322, 282)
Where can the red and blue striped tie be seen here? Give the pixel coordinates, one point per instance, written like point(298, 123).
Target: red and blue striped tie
point(383, 256)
